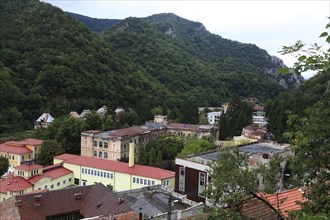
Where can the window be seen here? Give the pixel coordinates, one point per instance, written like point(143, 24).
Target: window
point(100, 144)
point(95, 153)
point(52, 186)
point(89, 171)
point(58, 183)
point(100, 154)
point(82, 170)
point(13, 157)
point(152, 182)
point(141, 181)
point(201, 184)
point(46, 187)
point(64, 181)
point(101, 174)
point(134, 179)
point(111, 175)
point(182, 178)
point(21, 192)
point(11, 193)
point(105, 155)
point(70, 179)
point(98, 173)
point(108, 175)
point(95, 143)
point(23, 158)
point(137, 180)
point(166, 183)
point(105, 144)
point(76, 181)
point(149, 182)
point(145, 182)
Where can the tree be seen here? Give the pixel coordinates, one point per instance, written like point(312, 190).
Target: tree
point(93, 121)
point(4, 165)
point(108, 123)
point(310, 132)
point(68, 135)
point(48, 151)
point(194, 146)
point(231, 184)
point(157, 110)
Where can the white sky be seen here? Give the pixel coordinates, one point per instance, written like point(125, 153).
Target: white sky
point(268, 24)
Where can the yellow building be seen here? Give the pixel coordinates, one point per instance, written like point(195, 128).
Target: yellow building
point(117, 175)
point(32, 177)
point(18, 152)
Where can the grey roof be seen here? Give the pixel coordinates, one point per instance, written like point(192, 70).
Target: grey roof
point(256, 148)
point(152, 201)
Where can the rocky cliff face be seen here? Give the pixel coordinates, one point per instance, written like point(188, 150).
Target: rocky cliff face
point(291, 80)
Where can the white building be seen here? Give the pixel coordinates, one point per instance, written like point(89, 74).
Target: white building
point(213, 117)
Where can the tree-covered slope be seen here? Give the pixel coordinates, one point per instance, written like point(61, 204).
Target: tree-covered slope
point(50, 62)
point(96, 24)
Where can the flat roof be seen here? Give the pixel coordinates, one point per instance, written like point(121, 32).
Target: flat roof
point(255, 148)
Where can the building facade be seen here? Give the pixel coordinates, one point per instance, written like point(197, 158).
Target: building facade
point(18, 152)
point(114, 144)
point(213, 117)
point(119, 176)
point(33, 177)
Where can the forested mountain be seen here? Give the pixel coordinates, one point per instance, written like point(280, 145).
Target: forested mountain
point(50, 62)
point(95, 24)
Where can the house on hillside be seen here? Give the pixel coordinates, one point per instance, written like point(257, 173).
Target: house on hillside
point(94, 202)
point(43, 121)
point(192, 172)
point(259, 116)
point(213, 117)
point(18, 152)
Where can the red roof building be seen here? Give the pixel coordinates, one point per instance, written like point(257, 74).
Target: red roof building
point(285, 202)
point(119, 175)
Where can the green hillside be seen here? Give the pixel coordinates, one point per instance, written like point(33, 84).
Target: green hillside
point(50, 62)
point(190, 61)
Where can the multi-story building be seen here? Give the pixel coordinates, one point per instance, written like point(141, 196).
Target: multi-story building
point(119, 176)
point(114, 144)
point(32, 177)
point(18, 152)
point(259, 117)
point(192, 173)
point(213, 117)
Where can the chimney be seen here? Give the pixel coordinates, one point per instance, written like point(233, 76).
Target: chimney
point(131, 155)
point(37, 200)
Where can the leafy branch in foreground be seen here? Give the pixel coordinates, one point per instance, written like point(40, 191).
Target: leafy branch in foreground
point(314, 58)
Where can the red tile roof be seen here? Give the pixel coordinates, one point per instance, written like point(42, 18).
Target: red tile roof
point(14, 184)
point(14, 149)
point(56, 172)
point(180, 126)
point(35, 178)
point(116, 166)
point(258, 108)
point(28, 167)
point(254, 208)
point(28, 141)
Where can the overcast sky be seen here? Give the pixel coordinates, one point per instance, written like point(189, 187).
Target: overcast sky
point(268, 24)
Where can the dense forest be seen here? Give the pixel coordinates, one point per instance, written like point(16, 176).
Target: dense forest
point(51, 62)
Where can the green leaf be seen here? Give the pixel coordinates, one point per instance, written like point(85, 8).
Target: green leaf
point(324, 34)
point(328, 39)
point(302, 58)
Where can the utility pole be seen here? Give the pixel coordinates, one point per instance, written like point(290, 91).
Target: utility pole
point(169, 213)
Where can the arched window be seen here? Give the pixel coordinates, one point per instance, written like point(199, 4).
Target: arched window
point(95, 143)
point(100, 154)
point(95, 153)
point(100, 143)
point(105, 144)
point(105, 155)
